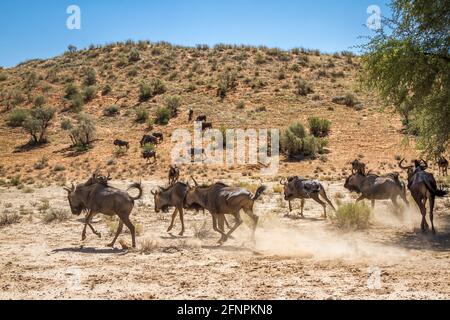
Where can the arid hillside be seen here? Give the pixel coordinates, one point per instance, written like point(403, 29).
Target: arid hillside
point(121, 87)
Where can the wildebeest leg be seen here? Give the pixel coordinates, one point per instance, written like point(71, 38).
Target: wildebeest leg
point(174, 214)
point(302, 205)
point(130, 226)
point(425, 206)
point(432, 200)
point(372, 202)
point(324, 196)
point(86, 222)
point(215, 217)
point(182, 221)
point(404, 198)
point(237, 223)
point(290, 206)
point(423, 211)
point(315, 197)
point(119, 230)
point(254, 218)
point(98, 234)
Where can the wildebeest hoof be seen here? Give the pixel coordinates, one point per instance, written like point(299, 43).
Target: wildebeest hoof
point(98, 234)
point(110, 245)
point(83, 237)
point(169, 229)
point(181, 233)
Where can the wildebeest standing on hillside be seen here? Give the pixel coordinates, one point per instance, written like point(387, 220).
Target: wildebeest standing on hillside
point(159, 136)
point(149, 154)
point(101, 198)
point(220, 199)
point(174, 174)
point(423, 187)
point(121, 143)
point(442, 165)
point(373, 187)
point(300, 188)
point(148, 139)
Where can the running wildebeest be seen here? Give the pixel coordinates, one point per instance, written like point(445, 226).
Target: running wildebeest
point(423, 187)
point(148, 139)
point(174, 174)
point(201, 118)
point(220, 199)
point(101, 198)
point(373, 187)
point(442, 165)
point(206, 125)
point(173, 196)
point(190, 114)
point(159, 136)
point(149, 154)
point(121, 143)
point(358, 166)
point(300, 188)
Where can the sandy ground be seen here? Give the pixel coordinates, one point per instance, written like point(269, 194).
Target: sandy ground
point(291, 259)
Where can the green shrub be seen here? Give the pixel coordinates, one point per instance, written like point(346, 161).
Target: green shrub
point(7, 219)
point(173, 103)
point(37, 122)
point(148, 147)
point(90, 77)
point(3, 77)
point(157, 87)
point(145, 92)
point(17, 117)
point(141, 114)
point(319, 127)
point(106, 90)
point(134, 56)
point(295, 142)
point(163, 115)
point(111, 111)
point(71, 90)
point(351, 216)
point(348, 100)
point(89, 93)
point(39, 101)
point(303, 88)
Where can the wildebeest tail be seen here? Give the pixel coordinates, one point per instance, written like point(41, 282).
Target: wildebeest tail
point(259, 192)
point(435, 191)
point(136, 185)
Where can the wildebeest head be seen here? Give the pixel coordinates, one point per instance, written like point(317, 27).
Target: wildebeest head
point(352, 183)
point(75, 201)
point(289, 187)
point(161, 201)
point(411, 169)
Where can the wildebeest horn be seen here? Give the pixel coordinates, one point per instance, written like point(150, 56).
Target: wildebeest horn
point(154, 192)
point(400, 164)
point(283, 181)
point(196, 184)
point(425, 163)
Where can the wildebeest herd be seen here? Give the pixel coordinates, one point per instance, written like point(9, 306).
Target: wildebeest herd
point(156, 138)
point(97, 196)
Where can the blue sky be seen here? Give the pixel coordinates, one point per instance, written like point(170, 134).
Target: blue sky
point(37, 29)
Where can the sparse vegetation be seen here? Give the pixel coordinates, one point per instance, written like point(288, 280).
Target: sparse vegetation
point(351, 216)
point(163, 115)
point(7, 219)
point(319, 127)
point(295, 142)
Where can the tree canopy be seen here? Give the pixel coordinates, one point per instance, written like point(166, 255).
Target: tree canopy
point(408, 62)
